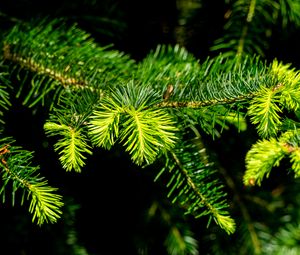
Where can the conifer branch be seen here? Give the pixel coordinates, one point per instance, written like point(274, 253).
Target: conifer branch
point(260, 160)
point(143, 131)
point(68, 120)
point(195, 104)
point(36, 67)
point(62, 66)
point(266, 108)
point(213, 120)
point(266, 154)
point(288, 84)
point(191, 183)
point(71, 147)
point(265, 113)
point(129, 104)
point(16, 169)
point(215, 81)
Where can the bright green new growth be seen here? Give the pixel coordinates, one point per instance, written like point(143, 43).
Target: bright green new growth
point(267, 107)
point(71, 147)
point(125, 115)
point(266, 154)
point(265, 113)
point(260, 160)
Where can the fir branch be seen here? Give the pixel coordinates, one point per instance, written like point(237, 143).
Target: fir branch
point(266, 154)
point(266, 108)
point(286, 74)
point(126, 115)
point(36, 67)
point(265, 112)
point(195, 84)
point(295, 160)
point(288, 84)
point(44, 205)
point(72, 60)
point(16, 169)
point(192, 183)
point(68, 120)
point(71, 147)
point(217, 80)
point(290, 142)
point(260, 160)
point(201, 104)
point(104, 124)
point(244, 34)
point(145, 133)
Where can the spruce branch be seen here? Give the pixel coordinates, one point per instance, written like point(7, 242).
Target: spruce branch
point(17, 170)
